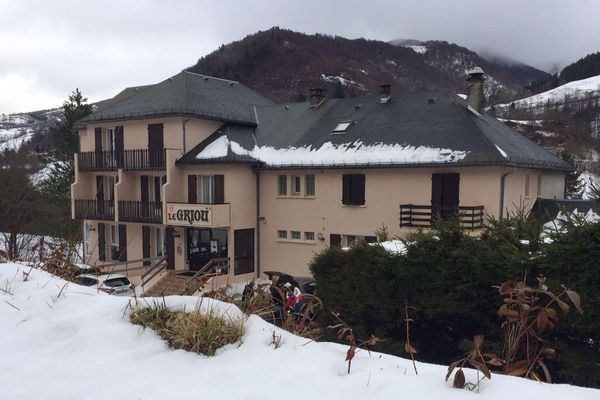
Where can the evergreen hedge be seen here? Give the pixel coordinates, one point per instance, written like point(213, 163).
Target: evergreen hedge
point(449, 277)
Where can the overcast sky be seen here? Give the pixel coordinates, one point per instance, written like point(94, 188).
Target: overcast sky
point(48, 48)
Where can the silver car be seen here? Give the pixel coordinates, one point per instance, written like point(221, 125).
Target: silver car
point(115, 284)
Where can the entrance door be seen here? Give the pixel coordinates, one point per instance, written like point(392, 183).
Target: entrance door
point(198, 248)
point(444, 194)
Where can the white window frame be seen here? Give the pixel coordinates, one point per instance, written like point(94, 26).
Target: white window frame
point(293, 233)
point(280, 179)
point(160, 243)
point(206, 189)
point(114, 242)
point(282, 234)
point(296, 184)
point(309, 236)
point(314, 185)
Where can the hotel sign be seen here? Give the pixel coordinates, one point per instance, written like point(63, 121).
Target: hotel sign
point(184, 214)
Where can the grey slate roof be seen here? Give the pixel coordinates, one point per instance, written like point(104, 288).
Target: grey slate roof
point(186, 94)
point(409, 119)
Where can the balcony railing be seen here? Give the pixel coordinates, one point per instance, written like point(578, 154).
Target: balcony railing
point(94, 210)
point(129, 160)
point(412, 215)
point(136, 211)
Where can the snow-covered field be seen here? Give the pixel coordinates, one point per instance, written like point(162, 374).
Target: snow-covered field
point(70, 342)
point(573, 90)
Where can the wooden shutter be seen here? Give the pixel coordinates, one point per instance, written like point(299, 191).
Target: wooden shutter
point(146, 244)
point(122, 242)
point(450, 187)
point(101, 242)
point(157, 190)
point(219, 189)
point(119, 146)
point(436, 193)
point(346, 186)
point(357, 189)
point(98, 146)
point(99, 188)
point(170, 238)
point(335, 240)
point(192, 189)
point(243, 248)
point(144, 188)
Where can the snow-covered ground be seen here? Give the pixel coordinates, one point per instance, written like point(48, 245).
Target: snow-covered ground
point(572, 90)
point(71, 342)
point(331, 154)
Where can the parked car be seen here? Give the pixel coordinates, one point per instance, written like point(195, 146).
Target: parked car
point(305, 284)
point(115, 284)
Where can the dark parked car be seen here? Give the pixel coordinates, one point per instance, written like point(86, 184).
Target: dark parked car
point(305, 284)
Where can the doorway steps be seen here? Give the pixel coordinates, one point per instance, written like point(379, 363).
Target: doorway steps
point(176, 283)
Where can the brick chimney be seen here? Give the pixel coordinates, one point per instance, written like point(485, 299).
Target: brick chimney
point(385, 93)
point(316, 97)
point(475, 96)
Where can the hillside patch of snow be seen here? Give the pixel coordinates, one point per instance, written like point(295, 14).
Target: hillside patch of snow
point(572, 90)
point(81, 345)
point(416, 48)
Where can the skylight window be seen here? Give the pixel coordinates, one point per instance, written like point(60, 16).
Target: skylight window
point(342, 126)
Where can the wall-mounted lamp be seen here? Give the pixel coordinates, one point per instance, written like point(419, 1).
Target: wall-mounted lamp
point(320, 236)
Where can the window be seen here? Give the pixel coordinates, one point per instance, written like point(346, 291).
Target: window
point(295, 235)
point(353, 189)
point(282, 185)
point(309, 185)
point(281, 234)
point(296, 186)
point(88, 238)
point(342, 127)
point(310, 236)
point(108, 139)
point(161, 243)
point(206, 189)
point(243, 243)
point(114, 242)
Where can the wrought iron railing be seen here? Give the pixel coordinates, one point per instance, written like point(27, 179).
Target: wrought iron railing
point(137, 211)
point(94, 210)
point(412, 215)
point(129, 160)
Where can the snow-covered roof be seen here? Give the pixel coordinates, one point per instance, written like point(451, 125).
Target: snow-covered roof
point(413, 129)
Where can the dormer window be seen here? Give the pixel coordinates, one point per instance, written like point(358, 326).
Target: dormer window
point(342, 127)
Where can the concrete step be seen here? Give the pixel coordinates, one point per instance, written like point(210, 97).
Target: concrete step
point(170, 284)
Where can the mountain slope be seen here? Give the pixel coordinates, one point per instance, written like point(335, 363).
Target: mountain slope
point(285, 64)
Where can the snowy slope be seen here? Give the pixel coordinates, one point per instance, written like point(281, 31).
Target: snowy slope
point(584, 88)
point(81, 346)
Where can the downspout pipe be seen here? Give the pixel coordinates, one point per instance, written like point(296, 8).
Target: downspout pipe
point(502, 187)
point(258, 221)
point(185, 121)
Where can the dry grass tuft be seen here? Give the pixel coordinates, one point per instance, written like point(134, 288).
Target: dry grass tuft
point(195, 331)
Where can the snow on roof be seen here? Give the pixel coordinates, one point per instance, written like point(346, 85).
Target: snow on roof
point(54, 336)
point(329, 154)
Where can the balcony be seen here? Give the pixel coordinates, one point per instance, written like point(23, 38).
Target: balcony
point(424, 216)
point(128, 160)
point(94, 210)
point(143, 212)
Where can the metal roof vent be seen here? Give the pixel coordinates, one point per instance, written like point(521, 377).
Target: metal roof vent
point(431, 101)
point(357, 106)
point(205, 78)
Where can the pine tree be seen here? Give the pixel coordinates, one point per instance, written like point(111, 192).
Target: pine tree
point(61, 171)
point(573, 186)
point(338, 93)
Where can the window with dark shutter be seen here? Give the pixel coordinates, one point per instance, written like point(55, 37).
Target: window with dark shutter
point(119, 146)
point(101, 242)
point(122, 242)
point(335, 240)
point(353, 189)
point(192, 190)
point(219, 189)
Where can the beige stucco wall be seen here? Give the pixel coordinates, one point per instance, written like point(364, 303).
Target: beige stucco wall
point(385, 190)
point(135, 133)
